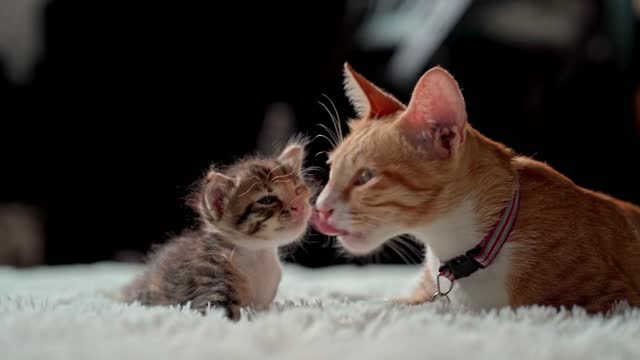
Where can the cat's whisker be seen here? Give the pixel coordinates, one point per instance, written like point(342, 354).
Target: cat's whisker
point(299, 245)
point(376, 257)
point(410, 249)
point(322, 152)
point(333, 134)
point(312, 170)
point(411, 245)
point(335, 120)
point(399, 252)
point(328, 243)
point(336, 123)
point(289, 251)
point(331, 141)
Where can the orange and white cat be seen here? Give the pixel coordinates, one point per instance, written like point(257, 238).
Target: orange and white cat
point(422, 169)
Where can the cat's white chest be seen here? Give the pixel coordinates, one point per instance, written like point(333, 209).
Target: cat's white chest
point(451, 236)
point(263, 272)
point(484, 289)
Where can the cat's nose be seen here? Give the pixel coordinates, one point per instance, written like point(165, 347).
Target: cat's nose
point(324, 212)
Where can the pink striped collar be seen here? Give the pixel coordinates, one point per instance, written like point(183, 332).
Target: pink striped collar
point(486, 251)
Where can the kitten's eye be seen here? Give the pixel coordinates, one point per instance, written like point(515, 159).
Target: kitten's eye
point(267, 200)
point(364, 177)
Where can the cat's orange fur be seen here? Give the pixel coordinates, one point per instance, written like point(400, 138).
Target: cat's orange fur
point(431, 174)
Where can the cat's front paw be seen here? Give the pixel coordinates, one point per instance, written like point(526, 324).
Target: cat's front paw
point(410, 300)
point(419, 296)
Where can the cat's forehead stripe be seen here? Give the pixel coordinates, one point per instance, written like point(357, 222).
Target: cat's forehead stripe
point(353, 147)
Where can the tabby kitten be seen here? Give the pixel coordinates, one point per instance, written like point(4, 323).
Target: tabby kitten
point(231, 261)
point(505, 230)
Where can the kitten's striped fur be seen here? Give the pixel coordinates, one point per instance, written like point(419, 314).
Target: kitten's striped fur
point(231, 261)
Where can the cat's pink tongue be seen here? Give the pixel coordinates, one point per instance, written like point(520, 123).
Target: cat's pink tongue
point(321, 224)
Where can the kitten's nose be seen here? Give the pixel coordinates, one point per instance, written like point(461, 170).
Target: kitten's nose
point(297, 207)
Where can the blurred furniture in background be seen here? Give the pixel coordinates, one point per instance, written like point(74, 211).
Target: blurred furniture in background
point(21, 236)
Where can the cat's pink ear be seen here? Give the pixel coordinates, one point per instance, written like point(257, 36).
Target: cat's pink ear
point(216, 194)
point(436, 116)
point(368, 99)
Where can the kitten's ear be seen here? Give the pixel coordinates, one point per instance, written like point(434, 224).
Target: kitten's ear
point(436, 116)
point(368, 99)
point(217, 191)
point(293, 155)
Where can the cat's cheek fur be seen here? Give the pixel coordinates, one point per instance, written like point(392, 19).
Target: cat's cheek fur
point(569, 245)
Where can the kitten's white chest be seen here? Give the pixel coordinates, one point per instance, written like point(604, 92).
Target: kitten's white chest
point(263, 272)
point(451, 236)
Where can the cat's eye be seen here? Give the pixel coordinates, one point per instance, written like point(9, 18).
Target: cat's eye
point(364, 176)
point(268, 200)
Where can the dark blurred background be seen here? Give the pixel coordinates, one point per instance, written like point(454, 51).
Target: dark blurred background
point(110, 109)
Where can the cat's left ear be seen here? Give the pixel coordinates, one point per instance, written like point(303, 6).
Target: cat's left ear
point(293, 155)
point(368, 99)
point(436, 117)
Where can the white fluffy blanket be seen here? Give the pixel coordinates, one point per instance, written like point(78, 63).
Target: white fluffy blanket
point(336, 313)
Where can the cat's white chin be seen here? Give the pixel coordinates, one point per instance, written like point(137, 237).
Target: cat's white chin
point(365, 242)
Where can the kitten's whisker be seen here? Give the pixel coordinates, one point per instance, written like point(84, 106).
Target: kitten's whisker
point(257, 178)
point(281, 176)
point(280, 181)
point(294, 199)
point(251, 187)
point(232, 253)
point(272, 170)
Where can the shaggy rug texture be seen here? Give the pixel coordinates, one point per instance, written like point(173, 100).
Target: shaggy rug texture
point(336, 313)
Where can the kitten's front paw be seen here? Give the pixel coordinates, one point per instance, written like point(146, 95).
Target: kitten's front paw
point(233, 312)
